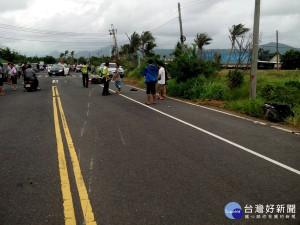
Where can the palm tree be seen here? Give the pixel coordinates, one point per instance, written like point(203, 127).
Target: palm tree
point(72, 55)
point(61, 55)
point(66, 53)
point(235, 32)
point(201, 40)
point(135, 42)
point(147, 42)
point(125, 49)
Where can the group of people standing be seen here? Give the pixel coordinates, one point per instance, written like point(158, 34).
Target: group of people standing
point(151, 73)
point(15, 72)
point(106, 78)
point(152, 76)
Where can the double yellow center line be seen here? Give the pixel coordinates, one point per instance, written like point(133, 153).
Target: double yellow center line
point(64, 177)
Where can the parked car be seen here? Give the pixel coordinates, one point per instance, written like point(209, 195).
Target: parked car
point(59, 69)
point(111, 69)
point(78, 69)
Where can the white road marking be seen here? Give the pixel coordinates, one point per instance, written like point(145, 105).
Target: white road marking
point(280, 128)
point(88, 105)
point(87, 113)
point(220, 138)
point(261, 123)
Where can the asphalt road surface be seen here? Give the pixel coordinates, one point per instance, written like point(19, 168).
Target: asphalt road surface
point(69, 155)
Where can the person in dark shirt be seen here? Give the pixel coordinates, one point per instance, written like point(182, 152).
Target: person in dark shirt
point(24, 67)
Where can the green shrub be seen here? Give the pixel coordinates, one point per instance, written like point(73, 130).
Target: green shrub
point(215, 91)
point(280, 92)
point(186, 66)
point(241, 92)
point(135, 74)
point(295, 120)
point(247, 106)
point(198, 88)
point(235, 78)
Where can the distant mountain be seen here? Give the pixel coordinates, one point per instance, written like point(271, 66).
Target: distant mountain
point(164, 52)
point(282, 48)
point(54, 54)
point(106, 51)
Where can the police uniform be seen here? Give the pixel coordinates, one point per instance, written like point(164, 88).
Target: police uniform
point(105, 73)
point(85, 76)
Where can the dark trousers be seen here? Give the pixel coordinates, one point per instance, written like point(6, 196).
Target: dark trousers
point(105, 88)
point(85, 80)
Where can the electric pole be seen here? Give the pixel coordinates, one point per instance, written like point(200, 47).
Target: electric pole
point(113, 32)
point(277, 48)
point(182, 38)
point(253, 73)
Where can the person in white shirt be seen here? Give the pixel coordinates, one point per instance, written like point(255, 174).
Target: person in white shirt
point(13, 75)
point(161, 80)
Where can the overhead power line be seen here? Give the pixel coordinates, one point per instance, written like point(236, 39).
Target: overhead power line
point(194, 3)
point(51, 32)
point(19, 39)
point(165, 23)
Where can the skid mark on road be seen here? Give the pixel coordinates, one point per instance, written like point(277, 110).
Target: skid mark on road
point(82, 129)
point(121, 136)
point(91, 169)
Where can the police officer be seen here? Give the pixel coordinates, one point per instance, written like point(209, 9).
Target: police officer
point(85, 75)
point(106, 79)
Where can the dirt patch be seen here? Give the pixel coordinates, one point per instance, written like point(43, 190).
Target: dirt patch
point(219, 104)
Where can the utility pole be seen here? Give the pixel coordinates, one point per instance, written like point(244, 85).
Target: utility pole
point(277, 49)
point(113, 32)
point(253, 73)
point(182, 38)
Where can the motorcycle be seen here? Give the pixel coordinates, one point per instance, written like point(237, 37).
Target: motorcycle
point(30, 85)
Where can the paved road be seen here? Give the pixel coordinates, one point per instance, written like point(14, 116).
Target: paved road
point(69, 155)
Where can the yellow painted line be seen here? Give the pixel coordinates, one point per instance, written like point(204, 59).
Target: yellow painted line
point(83, 194)
point(63, 171)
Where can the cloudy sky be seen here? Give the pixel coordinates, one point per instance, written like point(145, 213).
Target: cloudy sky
point(42, 26)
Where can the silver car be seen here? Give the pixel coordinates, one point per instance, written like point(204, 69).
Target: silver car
point(111, 69)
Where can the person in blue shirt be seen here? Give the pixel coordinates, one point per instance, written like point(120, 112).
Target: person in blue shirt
point(150, 74)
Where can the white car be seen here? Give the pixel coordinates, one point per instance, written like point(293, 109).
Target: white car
point(111, 69)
